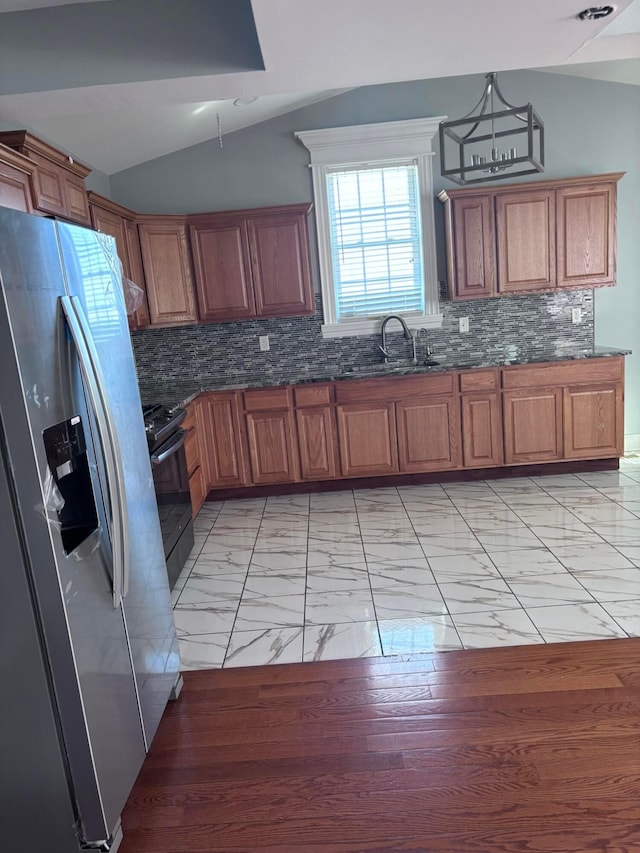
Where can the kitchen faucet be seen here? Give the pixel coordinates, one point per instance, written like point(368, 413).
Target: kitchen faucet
point(406, 332)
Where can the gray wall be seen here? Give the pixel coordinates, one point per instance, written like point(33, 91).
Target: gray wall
point(591, 127)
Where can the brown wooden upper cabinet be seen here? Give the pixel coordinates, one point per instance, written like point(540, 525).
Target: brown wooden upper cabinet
point(167, 270)
point(16, 180)
point(535, 237)
point(110, 218)
point(252, 263)
point(58, 180)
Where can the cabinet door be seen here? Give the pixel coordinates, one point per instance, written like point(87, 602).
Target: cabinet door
point(49, 187)
point(317, 443)
point(428, 433)
point(279, 249)
point(532, 425)
point(474, 264)
point(367, 439)
point(222, 269)
point(167, 273)
point(593, 420)
point(140, 318)
point(76, 198)
point(526, 228)
point(15, 188)
point(271, 447)
point(197, 490)
point(110, 223)
point(481, 430)
point(586, 235)
point(224, 440)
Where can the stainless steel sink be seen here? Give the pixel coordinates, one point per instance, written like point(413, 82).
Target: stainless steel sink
point(393, 368)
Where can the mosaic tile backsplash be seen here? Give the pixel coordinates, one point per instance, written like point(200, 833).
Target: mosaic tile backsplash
point(173, 363)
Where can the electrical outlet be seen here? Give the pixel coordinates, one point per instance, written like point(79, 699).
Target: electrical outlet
point(464, 324)
point(576, 315)
point(264, 343)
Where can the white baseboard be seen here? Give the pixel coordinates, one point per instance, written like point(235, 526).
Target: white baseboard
point(632, 444)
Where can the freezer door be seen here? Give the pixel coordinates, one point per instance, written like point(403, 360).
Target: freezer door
point(84, 635)
point(94, 279)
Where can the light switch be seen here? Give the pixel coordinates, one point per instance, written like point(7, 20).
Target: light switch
point(464, 324)
point(576, 315)
point(264, 343)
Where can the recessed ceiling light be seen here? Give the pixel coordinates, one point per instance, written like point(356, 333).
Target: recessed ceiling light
point(594, 13)
point(244, 102)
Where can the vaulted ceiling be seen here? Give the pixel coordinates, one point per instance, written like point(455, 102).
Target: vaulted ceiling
point(120, 82)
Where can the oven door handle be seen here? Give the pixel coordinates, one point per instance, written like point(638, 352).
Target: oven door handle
point(169, 448)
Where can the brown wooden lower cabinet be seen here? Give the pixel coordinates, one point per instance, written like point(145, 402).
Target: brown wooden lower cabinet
point(226, 462)
point(532, 425)
point(549, 412)
point(197, 489)
point(481, 430)
point(317, 443)
point(196, 455)
point(273, 456)
point(367, 439)
point(593, 422)
point(428, 434)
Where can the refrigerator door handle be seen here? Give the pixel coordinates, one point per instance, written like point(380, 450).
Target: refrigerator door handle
point(92, 374)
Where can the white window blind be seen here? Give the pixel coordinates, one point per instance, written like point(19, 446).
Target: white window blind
point(376, 239)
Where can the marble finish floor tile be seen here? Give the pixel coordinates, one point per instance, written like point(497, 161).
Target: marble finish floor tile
point(549, 590)
point(574, 622)
point(581, 558)
point(354, 605)
point(273, 584)
point(327, 575)
point(508, 539)
point(462, 567)
point(611, 585)
point(400, 573)
point(216, 589)
point(523, 562)
point(496, 628)
point(345, 640)
point(282, 611)
point(626, 614)
point(203, 619)
point(418, 635)
point(403, 603)
point(337, 578)
point(445, 546)
point(267, 646)
point(474, 595)
point(205, 651)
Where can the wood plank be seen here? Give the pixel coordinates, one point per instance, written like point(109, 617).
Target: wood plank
point(526, 749)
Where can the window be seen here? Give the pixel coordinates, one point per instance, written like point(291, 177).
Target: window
point(374, 215)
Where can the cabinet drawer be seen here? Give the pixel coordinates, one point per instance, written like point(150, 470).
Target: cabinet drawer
point(590, 370)
point(197, 490)
point(190, 421)
point(313, 395)
point(262, 399)
point(480, 380)
point(394, 388)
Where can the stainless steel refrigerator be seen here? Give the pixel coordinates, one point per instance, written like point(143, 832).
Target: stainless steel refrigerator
point(89, 654)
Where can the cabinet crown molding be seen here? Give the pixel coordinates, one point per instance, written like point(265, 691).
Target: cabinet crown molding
point(28, 144)
point(497, 189)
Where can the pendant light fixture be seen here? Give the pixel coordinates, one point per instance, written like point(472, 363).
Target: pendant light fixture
point(488, 143)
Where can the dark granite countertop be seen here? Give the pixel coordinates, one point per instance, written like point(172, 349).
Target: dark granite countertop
point(181, 393)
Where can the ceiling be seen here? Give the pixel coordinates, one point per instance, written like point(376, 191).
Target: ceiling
point(119, 82)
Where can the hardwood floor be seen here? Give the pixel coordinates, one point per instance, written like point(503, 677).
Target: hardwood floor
point(531, 748)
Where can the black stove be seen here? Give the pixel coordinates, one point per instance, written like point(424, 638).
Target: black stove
point(166, 440)
point(160, 422)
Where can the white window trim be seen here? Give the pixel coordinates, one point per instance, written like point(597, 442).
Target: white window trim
point(371, 143)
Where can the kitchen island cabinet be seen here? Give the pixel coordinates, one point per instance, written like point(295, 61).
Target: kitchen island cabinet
point(541, 236)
